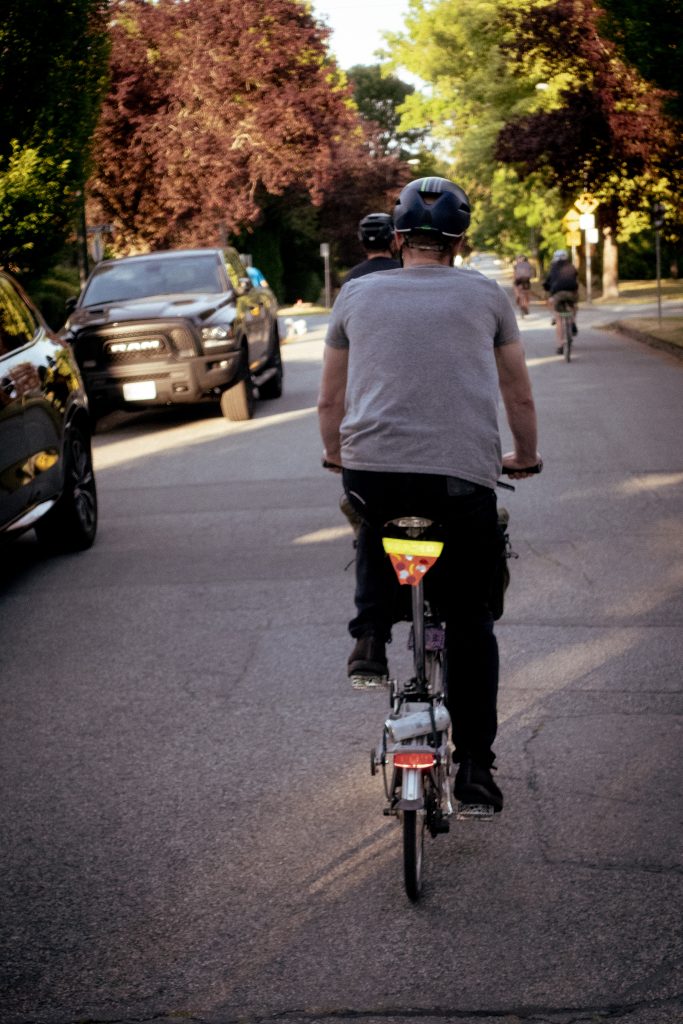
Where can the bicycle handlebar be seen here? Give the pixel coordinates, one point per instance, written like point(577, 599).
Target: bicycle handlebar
point(508, 471)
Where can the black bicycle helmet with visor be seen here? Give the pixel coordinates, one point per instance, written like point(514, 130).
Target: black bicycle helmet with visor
point(434, 206)
point(376, 231)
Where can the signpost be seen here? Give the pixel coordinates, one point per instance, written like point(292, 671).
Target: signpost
point(325, 253)
point(578, 218)
point(587, 225)
point(95, 234)
point(570, 223)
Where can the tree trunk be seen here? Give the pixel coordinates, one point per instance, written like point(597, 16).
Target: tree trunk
point(610, 262)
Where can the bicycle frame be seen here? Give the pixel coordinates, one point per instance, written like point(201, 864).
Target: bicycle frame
point(566, 312)
point(416, 733)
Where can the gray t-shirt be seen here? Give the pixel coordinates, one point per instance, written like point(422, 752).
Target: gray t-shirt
point(422, 388)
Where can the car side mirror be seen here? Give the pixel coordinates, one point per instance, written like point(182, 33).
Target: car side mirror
point(71, 304)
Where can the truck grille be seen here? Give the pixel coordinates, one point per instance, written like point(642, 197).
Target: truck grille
point(133, 344)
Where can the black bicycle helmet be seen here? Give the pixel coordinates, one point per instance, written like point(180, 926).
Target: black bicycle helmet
point(432, 205)
point(376, 231)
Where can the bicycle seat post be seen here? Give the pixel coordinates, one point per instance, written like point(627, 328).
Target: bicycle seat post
point(417, 600)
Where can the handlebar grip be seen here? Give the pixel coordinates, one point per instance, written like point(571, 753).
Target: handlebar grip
point(524, 469)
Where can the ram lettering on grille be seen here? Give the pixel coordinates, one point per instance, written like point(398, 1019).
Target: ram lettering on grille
point(119, 347)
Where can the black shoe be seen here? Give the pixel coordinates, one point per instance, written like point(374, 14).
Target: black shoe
point(369, 657)
point(560, 350)
point(575, 330)
point(475, 785)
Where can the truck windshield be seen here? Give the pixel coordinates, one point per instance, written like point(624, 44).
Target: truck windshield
point(144, 278)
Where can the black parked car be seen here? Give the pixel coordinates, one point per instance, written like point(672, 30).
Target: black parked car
point(183, 326)
point(46, 474)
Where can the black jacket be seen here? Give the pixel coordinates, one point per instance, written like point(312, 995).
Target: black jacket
point(562, 277)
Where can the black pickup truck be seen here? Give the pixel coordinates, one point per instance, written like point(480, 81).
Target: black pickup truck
point(179, 326)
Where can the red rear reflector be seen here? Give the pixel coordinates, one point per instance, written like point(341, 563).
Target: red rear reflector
point(407, 759)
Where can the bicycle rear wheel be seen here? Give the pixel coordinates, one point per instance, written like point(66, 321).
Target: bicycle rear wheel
point(568, 337)
point(414, 823)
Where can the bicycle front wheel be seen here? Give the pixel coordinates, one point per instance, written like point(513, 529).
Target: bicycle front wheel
point(413, 849)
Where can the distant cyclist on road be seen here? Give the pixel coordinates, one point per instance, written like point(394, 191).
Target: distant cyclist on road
point(414, 361)
point(376, 234)
point(562, 285)
point(522, 272)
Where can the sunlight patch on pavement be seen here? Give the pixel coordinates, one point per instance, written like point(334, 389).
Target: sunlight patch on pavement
point(321, 536)
point(542, 360)
point(355, 864)
point(649, 482)
point(565, 665)
point(109, 453)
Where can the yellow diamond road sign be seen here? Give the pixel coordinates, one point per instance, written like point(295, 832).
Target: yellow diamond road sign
point(587, 203)
point(570, 221)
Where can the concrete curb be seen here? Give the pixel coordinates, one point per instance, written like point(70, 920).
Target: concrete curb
point(618, 327)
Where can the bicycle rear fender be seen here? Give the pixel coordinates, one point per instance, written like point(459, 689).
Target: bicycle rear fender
point(412, 792)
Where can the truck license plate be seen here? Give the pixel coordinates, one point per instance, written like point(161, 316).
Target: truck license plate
point(139, 390)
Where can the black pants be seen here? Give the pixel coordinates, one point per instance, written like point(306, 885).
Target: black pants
point(460, 584)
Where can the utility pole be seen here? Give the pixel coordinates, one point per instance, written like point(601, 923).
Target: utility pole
point(658, 224)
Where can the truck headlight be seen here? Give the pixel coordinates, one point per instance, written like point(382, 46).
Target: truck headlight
point(217, 337)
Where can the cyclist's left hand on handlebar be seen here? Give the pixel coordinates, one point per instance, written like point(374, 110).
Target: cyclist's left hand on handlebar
point(520, 469)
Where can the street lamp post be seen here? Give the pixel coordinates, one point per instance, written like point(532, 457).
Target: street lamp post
point(325, 253)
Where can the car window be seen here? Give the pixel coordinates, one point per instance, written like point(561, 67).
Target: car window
point(18, 325)
point(142, 279)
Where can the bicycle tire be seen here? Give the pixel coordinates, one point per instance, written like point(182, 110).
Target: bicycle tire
point(568, 337)
point(413, 852)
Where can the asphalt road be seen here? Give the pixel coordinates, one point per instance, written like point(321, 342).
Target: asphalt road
point(189, 829)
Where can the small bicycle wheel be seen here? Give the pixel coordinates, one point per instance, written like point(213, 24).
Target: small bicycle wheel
point(413, 849)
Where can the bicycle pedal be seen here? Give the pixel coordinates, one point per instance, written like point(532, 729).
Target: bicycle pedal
point(369, 682)
point(474, 812)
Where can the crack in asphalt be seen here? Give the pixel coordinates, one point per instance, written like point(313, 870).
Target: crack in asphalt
point(510, 1015)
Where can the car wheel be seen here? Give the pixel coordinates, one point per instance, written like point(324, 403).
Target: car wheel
point(71, 524)
point(273, 387)
point(237, 403)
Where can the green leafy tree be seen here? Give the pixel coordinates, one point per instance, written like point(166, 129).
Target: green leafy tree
point(53, 70)
point(379, 97)
point(227, 119)
point(458, 48)
point(649, 35)
point(533, 86)
point(603, 129)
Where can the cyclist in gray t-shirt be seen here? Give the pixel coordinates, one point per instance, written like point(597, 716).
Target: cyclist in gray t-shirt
point(414, 362)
